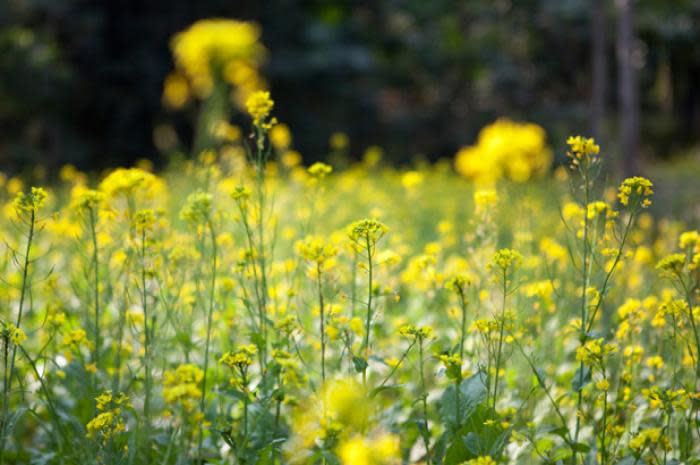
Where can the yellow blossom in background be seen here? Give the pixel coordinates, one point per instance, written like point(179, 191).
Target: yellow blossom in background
point(517, 151)
point(482, 460)
point(259, 106)
point(176, 90)
point(319, 170)
point(382, 449)
point(182, 385)
point(338, 141)
point(281, 136)
point(14, 334)
point(226, 45)
point(485, 200)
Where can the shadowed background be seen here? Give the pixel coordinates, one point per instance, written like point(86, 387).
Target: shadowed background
point(81, 81)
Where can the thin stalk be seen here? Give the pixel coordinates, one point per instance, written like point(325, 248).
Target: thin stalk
point(500, 337)
point(424, 398)
point(5, 393)
point(322, 324)
point(584, 304)
point(603, 447)
point(463, 328)
point(396, 367)
point(368, 321)
point(96, 296)
point(147, 340)
point(210, 313)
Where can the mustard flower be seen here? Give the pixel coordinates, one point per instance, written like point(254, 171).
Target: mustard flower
point(198, 207)
point(319, 170)
point(482, 460)
point(638, 190)
point(15, 335)
point(30, 202)
point(582, 147)
point(367, 230)
point(671, 265)
point(259, 106)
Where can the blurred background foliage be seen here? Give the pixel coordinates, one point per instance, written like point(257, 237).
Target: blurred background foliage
point(81, 81)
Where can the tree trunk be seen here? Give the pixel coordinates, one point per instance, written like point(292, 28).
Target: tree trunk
point(628, 94)
point(598, 68)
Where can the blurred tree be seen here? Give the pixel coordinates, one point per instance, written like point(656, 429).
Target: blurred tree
point(599, 72)
point(627, 86)
point(82, 81)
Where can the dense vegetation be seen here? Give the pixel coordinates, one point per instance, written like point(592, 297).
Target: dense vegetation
point(262, 320)
point(240, 307)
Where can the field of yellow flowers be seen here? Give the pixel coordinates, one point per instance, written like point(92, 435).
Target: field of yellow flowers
point(241, 308)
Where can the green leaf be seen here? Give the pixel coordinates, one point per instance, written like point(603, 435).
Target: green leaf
point(472, 392)
point(476, 438)
point(581, 447)
point(581, 379)
point(386, 387)
point(360, 363)
point(561, 454)
point(561, 431)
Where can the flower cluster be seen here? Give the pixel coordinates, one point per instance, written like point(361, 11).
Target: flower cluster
point(636, 190)
point(517, 151)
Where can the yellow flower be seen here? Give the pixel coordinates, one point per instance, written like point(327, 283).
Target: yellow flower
point(241, 358)
point(594, 352)
point(315, 249)
point(485, 199)
point(505, 148)
point(259, 105)
point(198, 207)
point(144, 220)
point(671, 265)
point(458, 284)
point(77, 336)
point(411, 331)
point(30, 202)
point(453, 366)
point(319, 170)
point(182, 385)
point(504, 260)
point(482, 460)
point(412, 179)
point(281, 137)
point(581, 147)
point(14, 334)
point(338, 141)
point(689, 240)
point(218, 44)
point(89, 199)
point(377, 450)
point(367, 230)
point(637, 189)
point(176, 90)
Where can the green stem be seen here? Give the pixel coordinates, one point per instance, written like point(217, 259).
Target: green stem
point(210, 313)
point(322, 325)
point(368, 321)
point(584, 304)
point(500, 337)
point(147, 342)
point(96, 278)
point(424, 397)
point(463, 328)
